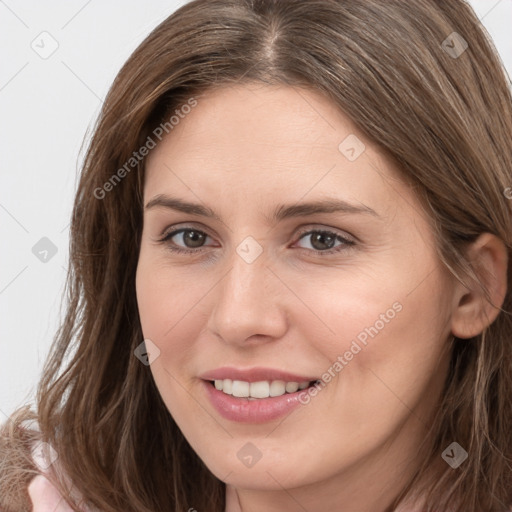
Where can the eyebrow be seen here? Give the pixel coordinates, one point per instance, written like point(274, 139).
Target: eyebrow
point(280, 213)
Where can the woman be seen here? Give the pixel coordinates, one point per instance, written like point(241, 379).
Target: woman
point(290, 281)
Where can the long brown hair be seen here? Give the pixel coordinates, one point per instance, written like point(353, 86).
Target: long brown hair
point(440, 111)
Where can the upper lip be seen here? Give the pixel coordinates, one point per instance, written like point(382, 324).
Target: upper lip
point(254, 375)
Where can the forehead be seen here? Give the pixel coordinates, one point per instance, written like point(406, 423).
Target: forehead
point(246, 144)
point(252, 116)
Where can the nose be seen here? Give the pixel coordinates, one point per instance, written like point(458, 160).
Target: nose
point(249, 302)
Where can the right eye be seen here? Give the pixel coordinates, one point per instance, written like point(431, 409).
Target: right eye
point(190, 237)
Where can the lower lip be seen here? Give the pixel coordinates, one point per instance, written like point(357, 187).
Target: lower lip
point(252, 411)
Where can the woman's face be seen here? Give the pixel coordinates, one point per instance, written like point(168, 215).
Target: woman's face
point(266, 295)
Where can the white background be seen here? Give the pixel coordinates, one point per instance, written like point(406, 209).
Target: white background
point(46, 108)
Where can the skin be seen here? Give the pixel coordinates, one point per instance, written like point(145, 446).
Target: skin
point(241, 151)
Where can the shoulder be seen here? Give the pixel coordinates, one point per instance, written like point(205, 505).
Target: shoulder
point(45, 497)
point(16, 465)
point(42, 494)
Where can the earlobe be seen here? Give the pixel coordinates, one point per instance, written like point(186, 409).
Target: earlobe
point(475, 310)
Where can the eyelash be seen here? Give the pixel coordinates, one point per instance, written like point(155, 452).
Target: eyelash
point(346, 243)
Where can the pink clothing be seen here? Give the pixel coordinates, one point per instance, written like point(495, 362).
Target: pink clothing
point(45, 497)
point(43, 494)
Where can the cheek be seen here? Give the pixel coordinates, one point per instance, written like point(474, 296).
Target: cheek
point(376, 336)
point(350, 310)
point(166, 309)
point(166, 298)
point(397, 305)
point(171, 303)
point(392, 354)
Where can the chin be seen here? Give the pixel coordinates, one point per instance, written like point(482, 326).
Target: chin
point(268, 473)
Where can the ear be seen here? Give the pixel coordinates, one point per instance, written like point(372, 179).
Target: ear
point(473, 313)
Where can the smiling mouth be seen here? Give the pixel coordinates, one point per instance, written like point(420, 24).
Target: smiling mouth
point(259, 390)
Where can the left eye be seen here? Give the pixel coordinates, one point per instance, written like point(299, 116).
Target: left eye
point(324, 241)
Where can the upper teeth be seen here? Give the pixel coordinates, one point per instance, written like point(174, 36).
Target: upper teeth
point(262, 389)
